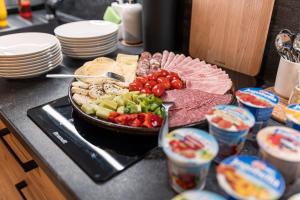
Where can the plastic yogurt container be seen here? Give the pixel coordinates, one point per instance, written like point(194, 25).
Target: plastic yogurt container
point(248, 178)
point(198, 195)
point(295, 197)
point(281, 147)
point(260, 103)
point(189, 152)
point(230, 126)
point(293, 116)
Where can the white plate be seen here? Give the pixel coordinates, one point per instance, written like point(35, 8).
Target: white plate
point(92, 52)
point(88, 44)
point(90, 49)
point(35, 66)
point(32, 61)
point(22, 44)
point(86, 56)
point(33, 72)
point(31, 56)
point(86, 29)
point(29, 75)
point(84, 40)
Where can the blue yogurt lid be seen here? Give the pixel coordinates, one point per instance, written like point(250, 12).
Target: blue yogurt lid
point(248, 177)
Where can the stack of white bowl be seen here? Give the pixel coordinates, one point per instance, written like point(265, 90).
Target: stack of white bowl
point(26, 55)
point(88, 39)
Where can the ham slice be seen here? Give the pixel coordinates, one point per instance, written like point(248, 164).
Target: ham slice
point(210, 86)
point(169, 60)
point(175, 62)
point(172, 61)
point(185, 61)
point(164, 58)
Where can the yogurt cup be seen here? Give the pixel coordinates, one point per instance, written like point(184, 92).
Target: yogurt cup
point(248, 177)
point(198, 195)
point(295, 197)
point(230, 126)
point(189, 152)
point(293, 116)
point(260, 103)
point(281, 147)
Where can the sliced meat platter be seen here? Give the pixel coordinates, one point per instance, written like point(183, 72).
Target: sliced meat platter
point(150, 79)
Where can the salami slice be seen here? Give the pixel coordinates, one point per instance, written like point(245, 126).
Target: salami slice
point(145, 55)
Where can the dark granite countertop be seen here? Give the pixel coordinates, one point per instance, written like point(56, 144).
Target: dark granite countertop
point(146, 179)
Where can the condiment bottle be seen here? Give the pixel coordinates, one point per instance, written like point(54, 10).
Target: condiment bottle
point(3, 14)
point(24, 9)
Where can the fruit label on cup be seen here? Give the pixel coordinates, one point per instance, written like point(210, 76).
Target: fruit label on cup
point(230, 118)
point(189, 145)
point(280, 142)
point(257, 97)
point(247, 177)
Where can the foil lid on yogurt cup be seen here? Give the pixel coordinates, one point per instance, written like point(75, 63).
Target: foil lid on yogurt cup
point(198, 195)
point(257, 97)
point(248, 177)
point(230, 118)
point(295, 197)
point(190, 146)
point(293, 113)
point(280, 142)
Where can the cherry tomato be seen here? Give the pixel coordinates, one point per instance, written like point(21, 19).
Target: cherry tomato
point(163, 72)
point(152, 76)
point(176, 84)
point(172, 76)
point(150, 84)
point(158, 90)
point(141, 79)
point(135, 86)
point(165, 82)
point(146, 90)
point(156, 74)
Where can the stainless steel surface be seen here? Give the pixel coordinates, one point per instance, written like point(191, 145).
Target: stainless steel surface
point(115, 76)
point(164, 129)
point(296, 46)
point(284, 46)
point(15, 21)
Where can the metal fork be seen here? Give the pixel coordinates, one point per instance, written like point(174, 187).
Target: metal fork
point(111, 75)
point(164, 129)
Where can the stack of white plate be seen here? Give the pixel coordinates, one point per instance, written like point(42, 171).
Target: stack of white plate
point(26, 55)
point(88, 39)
